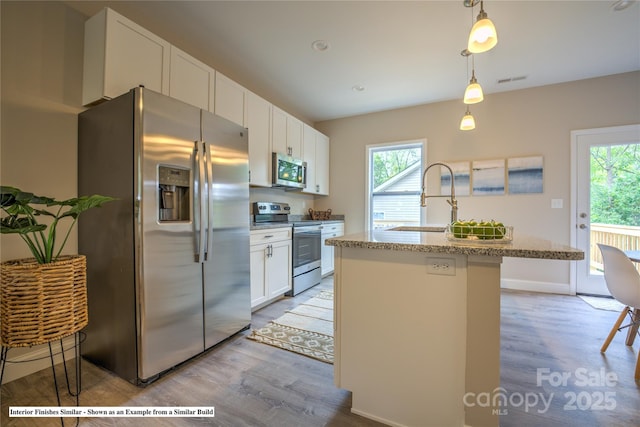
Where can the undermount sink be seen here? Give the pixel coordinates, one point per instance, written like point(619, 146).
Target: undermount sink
point(433, 228)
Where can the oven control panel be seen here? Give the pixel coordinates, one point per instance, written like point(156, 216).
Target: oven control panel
point(260, 208)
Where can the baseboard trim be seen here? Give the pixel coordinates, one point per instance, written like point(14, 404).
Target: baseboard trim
point(545, 287)
point(36, 359)
point(376, 418)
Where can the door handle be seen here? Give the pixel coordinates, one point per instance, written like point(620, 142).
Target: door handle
point(199, 202)
point(208, 176)
point(582, 226)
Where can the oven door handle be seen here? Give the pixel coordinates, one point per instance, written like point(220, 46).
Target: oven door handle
point(307, 229)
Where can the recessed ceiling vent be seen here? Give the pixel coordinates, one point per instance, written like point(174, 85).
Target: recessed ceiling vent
point(511, 79)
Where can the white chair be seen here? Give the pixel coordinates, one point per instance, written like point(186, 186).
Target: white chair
point(623, 281)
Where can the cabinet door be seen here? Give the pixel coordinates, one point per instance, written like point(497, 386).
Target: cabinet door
point(190, 80)
point(322, 164)
point(259, 124)
point(294, 136)
point(309, 156)
point(278, 130)
point(279, 268)
point(329, 231)
point(120, 55)
point(229, 99)
point(258, 256)
point(327, 263)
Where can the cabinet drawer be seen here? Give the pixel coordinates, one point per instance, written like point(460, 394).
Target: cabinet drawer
point(332, 229)
point(270, 235)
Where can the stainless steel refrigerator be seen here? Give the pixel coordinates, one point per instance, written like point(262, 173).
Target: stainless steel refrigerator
point(168, 262)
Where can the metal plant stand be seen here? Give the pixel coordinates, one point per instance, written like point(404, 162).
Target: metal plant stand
point(77, 337)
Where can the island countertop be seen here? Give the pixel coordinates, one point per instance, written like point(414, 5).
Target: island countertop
point(522, 246)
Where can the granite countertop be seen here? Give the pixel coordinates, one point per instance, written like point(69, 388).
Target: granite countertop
point(522, 246)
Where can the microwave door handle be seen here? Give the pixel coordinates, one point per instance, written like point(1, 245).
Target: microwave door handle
point(198, 205)
point(208, 223)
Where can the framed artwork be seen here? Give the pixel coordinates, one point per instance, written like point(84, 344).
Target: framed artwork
point(488, 177)
point(461, 178)
point(525, 174)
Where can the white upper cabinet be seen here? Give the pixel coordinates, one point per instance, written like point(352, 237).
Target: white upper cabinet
point(309, 156)
point(258, 121)
point(190, 80)
point(322, 164)
point(316, 153)
point(294, 136)
point(278, 130)
point(286, 133)
point(120, 55)
point(229, 99)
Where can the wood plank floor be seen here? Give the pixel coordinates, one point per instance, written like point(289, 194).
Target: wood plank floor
point(252, 384)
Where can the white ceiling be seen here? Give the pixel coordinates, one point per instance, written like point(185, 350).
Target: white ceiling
point(402, 52)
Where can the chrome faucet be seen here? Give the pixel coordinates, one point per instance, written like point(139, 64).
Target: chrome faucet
point(452, 197)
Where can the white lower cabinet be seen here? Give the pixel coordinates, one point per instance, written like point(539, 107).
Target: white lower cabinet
point(329, 230)
point(270, 265)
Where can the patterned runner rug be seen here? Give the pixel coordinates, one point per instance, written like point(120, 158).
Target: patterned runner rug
point(307, 329)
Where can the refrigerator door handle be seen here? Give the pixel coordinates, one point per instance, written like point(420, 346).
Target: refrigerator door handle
point(208, 223)
point(198, 202)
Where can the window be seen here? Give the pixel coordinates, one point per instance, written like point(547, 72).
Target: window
point(394, 184)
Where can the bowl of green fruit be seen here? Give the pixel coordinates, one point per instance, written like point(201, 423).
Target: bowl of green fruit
point(479, 231)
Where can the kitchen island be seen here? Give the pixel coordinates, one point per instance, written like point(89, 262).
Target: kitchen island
point(417, 324)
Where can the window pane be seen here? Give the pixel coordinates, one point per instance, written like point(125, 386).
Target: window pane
point(395, 210)
point(389, 164)
point(395, 177)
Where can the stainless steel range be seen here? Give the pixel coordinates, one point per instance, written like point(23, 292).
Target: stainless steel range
point(306, 243)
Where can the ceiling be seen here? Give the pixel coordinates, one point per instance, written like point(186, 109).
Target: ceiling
point(401, 53)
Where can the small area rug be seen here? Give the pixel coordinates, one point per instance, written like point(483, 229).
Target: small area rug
point(306, 329)
point(602, 303)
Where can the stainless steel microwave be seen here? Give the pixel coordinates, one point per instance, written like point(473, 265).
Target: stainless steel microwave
point(288, 171)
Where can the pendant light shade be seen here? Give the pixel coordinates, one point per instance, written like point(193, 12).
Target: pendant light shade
point(473, 94)
point(467, 122)
point(483, 35)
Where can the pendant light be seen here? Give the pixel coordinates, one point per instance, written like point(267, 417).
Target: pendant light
point(467, 122)
point(473, 94)
point(483, 35)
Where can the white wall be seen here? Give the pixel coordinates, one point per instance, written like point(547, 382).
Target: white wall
point(527, 122)
point(41, 87)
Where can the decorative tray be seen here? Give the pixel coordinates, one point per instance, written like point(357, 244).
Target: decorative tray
point(485, 234)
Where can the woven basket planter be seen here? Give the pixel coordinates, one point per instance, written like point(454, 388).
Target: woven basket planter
point(40, 303)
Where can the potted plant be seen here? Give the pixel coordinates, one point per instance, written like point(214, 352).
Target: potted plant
point(43, 298)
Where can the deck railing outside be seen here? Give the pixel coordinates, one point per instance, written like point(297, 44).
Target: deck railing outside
point(624, 237)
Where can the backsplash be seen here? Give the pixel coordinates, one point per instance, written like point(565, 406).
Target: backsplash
point(300, 203)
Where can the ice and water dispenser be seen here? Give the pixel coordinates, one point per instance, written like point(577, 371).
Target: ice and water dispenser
point(174, 187)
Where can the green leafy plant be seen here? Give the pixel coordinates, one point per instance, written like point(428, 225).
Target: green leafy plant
point(22, 210)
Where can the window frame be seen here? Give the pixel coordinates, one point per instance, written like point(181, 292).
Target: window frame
point(370, 149)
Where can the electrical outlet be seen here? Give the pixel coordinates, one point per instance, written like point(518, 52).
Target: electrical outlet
point(556, 203)
point(441, 266)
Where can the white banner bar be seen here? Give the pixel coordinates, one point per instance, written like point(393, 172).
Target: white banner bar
point(111, 411)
